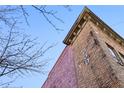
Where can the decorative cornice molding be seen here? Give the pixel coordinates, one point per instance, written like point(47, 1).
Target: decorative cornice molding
point(86, 15)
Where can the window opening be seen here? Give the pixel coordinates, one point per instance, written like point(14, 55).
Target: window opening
point(115, 55)
point(122, 56)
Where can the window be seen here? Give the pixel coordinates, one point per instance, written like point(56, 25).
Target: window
point(116, 55)
point(113, 52)
point(122, 56)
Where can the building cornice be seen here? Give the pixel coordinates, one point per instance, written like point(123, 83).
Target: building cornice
point(85, 15)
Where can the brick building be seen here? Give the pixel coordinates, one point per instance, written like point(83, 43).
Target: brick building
point(93, 56)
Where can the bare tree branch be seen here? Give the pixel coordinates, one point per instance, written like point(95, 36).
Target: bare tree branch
point(25, 14)
point(8, 14)
point(8, 41)
point(20, 54)
point(6, 84)
point(45, 13)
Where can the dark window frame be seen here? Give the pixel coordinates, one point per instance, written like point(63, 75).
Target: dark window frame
point(112, 51)
point(122, 56)
point(116, 55)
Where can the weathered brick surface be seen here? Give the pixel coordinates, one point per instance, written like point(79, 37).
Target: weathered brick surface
point(99, 72)
point(100, 69)
point(117, 68)
point(63, 73)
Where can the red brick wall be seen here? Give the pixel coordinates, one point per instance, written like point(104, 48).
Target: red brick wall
point(101, 71)
point(117, 68)
point(98, 72)
point(63, 73)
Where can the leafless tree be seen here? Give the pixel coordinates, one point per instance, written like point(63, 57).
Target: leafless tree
point(8, 14)
point(18, 52)
point(19, 55)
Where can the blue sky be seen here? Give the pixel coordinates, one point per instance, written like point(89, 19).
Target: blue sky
point(39, 27)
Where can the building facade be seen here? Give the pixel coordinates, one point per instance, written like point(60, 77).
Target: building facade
point(93, 56)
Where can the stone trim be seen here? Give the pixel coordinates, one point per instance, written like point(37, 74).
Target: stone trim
point(87, 14)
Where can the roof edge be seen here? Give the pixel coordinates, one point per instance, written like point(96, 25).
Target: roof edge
point(86, 10)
